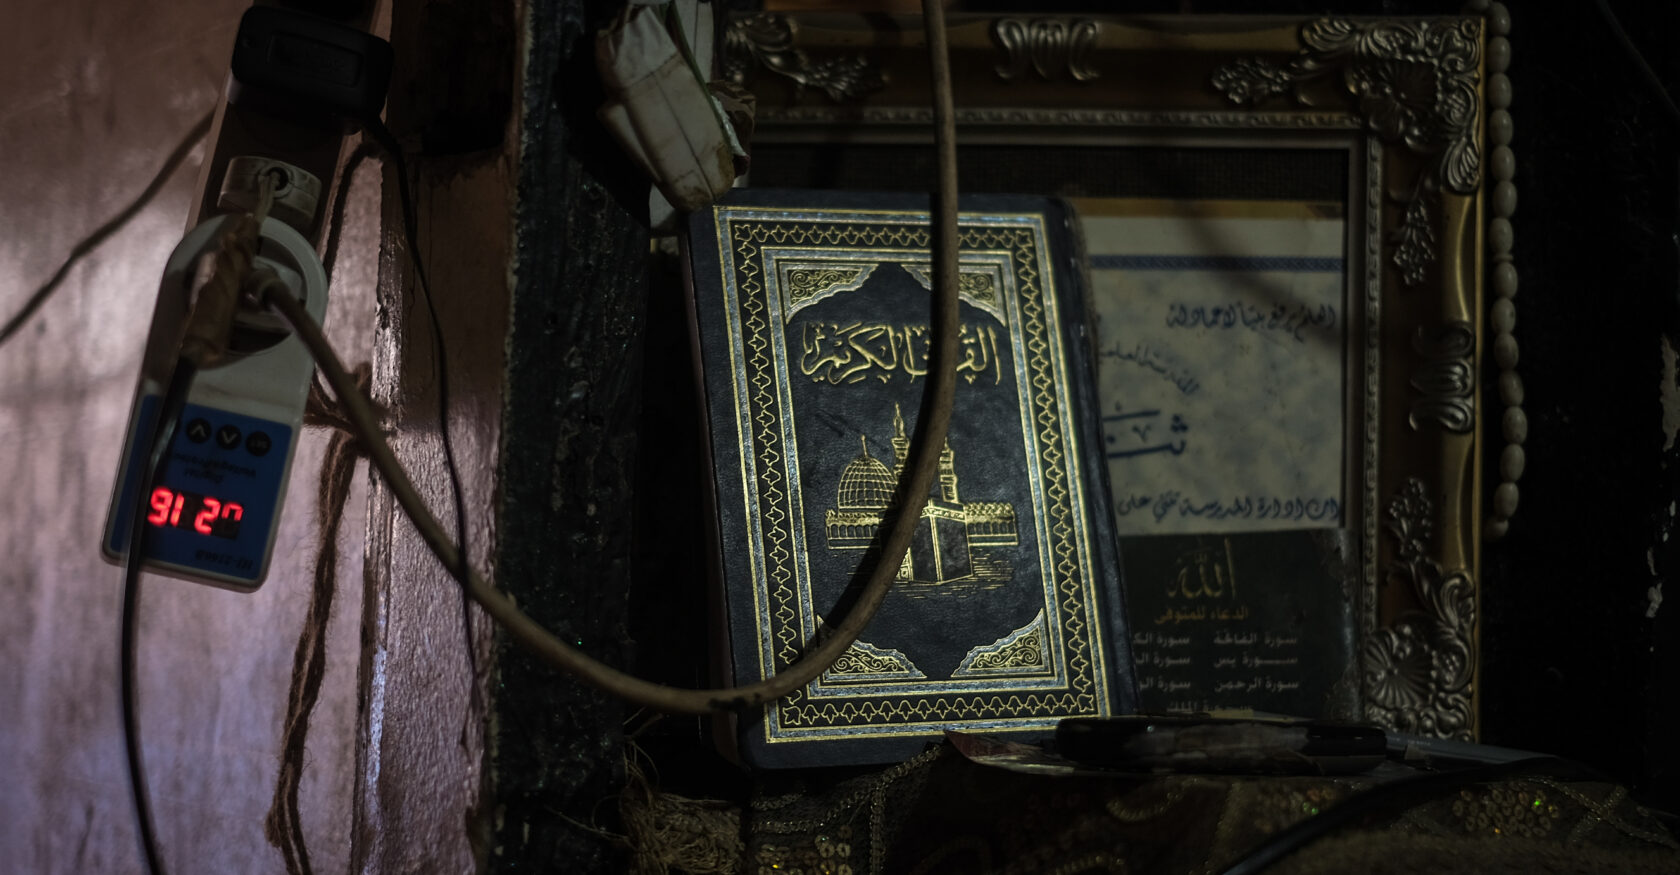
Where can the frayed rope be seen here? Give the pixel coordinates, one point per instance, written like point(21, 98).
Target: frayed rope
point(283, 826)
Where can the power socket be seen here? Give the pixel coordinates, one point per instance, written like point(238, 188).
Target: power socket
point(215, 509)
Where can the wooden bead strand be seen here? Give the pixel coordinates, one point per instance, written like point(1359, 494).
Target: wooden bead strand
point(1502, 273)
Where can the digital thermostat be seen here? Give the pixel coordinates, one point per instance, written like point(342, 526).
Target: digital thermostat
point(213, 512)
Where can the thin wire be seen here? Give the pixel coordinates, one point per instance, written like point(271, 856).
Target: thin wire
point(1638, 58)
point(931, 427)
point(411, 231)
point(335, 223)
point(155, 454)
point(112, 225)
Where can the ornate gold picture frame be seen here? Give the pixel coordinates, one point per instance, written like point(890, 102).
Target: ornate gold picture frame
point(1384, 119)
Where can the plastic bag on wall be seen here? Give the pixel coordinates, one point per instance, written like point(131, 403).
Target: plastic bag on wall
point(660, 109)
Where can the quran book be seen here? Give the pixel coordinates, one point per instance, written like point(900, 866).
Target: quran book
point(1006, 614)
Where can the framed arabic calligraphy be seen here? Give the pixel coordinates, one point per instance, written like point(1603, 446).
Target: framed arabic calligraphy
point(1283, 222)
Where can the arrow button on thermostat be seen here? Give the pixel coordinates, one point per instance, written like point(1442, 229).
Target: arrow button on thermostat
point(227, 437)
point(198, 431)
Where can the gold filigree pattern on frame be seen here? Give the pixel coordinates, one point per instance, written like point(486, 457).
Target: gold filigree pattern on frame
point(1418, 670)
point(1415, 83)
point(1053, 47)
point(760, 412)
point(767, 40)
point(1024, 651)
point(1446, 378)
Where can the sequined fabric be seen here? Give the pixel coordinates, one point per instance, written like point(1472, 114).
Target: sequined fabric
point(942, 813)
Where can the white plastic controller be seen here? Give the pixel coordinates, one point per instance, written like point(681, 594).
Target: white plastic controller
point(216, 504)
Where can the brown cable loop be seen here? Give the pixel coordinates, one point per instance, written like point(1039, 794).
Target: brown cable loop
point(929, 438)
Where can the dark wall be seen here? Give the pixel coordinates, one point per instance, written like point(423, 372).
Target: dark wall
point(1572, 662)
point(569, 447)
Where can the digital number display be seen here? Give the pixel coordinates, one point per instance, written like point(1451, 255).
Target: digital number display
point(199, 513)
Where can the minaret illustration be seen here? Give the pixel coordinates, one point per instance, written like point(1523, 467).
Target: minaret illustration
point(952, 536)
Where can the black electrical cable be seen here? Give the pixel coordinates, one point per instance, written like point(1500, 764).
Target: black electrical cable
point(112, 226)
point(411, 232)
point(155, 456)
point(1397, 796)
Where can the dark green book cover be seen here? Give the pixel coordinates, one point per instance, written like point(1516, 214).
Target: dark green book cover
point(1006, 616)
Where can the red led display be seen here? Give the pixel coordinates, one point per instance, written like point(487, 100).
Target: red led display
point(200, 513)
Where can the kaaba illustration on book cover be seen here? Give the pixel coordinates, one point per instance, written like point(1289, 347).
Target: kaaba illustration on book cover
point(1006, 614)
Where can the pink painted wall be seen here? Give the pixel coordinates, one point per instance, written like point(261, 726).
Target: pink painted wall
point(92, 96)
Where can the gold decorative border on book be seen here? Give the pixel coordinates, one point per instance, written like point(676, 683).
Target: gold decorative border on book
point(866, 662)
point(771, 500)
point(999, 265)
point(1024, 651)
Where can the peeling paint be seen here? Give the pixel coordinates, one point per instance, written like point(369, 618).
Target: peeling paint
point(1670, 394)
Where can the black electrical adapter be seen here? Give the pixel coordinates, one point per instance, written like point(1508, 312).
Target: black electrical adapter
point(307, 68)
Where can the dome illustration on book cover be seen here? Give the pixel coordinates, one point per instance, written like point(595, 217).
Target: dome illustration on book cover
point(955, 541)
